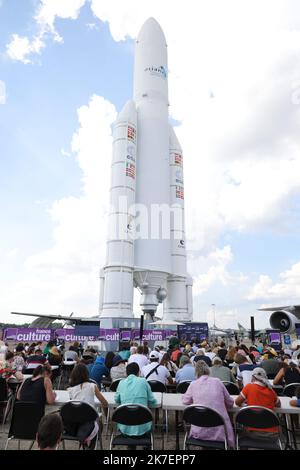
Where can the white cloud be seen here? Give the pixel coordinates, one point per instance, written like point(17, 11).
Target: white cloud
point(21, 47)
point(66, 277)
point(50, 9)
point(79, 223)
point(65, 153)
point(2, 92)
point(213, 269)
point(91, 26)
point(286, 291)
point(12, 254)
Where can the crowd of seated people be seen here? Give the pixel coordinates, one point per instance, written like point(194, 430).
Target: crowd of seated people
point(205, 365)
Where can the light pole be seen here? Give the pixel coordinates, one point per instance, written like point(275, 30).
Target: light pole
point(214, 312)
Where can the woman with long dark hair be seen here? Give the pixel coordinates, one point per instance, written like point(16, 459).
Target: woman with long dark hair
point(170, 365)
point(38, 388)
point(109, 359)
point(83, 390)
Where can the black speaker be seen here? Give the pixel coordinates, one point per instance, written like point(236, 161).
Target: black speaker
point(252, 330)
point(124, 338)
point(141, 327)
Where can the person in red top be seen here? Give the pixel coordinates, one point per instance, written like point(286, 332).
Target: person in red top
point(260, 393)
point(175, 354)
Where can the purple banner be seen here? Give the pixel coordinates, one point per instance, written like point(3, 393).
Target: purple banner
point(68, 335)
point(28, 334)
point(113, 334)
point(109, 335)
point(274, 338)
point(149, 335)
point(125, 335)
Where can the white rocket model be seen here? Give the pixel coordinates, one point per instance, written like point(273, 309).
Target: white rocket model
point(146, 243)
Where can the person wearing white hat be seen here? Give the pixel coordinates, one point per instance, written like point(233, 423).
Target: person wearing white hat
point(259, 393)
point(155, 371)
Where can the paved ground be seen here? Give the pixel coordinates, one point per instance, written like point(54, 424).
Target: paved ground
point(169, 440)
point(168, 443)
point(161, 441)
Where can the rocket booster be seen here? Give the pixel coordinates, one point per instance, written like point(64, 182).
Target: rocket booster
point(146, 243)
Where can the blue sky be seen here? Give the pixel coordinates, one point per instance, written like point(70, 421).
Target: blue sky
point(241, 148)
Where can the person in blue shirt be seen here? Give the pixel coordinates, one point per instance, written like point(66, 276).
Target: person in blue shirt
point(97, 370)
point(186, 370)
point(124, 353)
point(135, 390)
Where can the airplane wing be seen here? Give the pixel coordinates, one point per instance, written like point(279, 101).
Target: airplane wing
point(54, 317)
point(287, 307)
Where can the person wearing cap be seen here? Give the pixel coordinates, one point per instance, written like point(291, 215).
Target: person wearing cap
point(156, 371)
point(71, 355)
point(259, 393)
point(186, 370)
point(221, 372)
point(98, 370)
point(118, 370)
point(161, 352)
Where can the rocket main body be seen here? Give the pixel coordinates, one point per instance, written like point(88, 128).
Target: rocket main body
point(146, 242)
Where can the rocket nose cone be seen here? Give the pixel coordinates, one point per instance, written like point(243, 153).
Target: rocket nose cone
point(174, 142)
point(128, 111)
point(151, 31)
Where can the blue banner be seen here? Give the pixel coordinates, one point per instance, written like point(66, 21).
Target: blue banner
point(196, 332)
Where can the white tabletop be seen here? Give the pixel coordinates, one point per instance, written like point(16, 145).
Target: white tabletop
point(27, 376)
point(62, 397)
point(275, 386)
point(173, 401)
